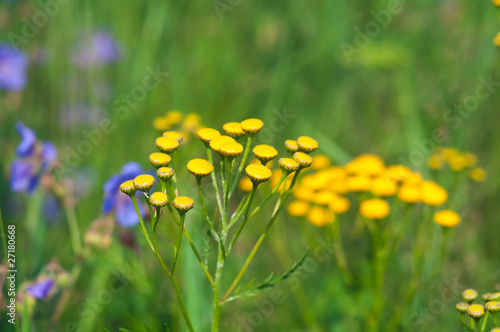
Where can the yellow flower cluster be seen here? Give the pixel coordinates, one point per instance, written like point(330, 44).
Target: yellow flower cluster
point(457, 161)
point(175, 123)
point(477, 311)
point(369, 178)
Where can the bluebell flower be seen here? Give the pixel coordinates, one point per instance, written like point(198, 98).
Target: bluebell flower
point(34, 158)
point(96, 49)
point(118, 202)
point(41, 289)
point(13, 64)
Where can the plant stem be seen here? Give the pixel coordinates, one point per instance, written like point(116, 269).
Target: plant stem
point(198, 256)
point(216, 290)
point(141, 222)
point(202, 202)
point(73, 227)
point(273, 191)
point(245, 218)
point(179, 243)
point(214, 181)
point(242, 164)
point(4, 238)
point(339, 252)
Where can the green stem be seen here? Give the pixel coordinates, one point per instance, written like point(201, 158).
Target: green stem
point(245, 218)
point(141, 222)
point(73, 228)
point(4, 238)
point(179, 242)
point(214, 181)
point(339, 252)
point(462, 319)
point(198, 256)
point(242, 164)
point(485, 321)
point(216, 304)
point(207, 217)
point(273, 191)
point(478, 325)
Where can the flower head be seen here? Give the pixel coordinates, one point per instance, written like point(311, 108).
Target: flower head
point(469, 295)
point(183, 204)
point(200, 167)
point(128, 187)
point(264, 153)
point(375, 208)
point(410, 193)
point(167, 144)
point(159, 159)
point(340, 204)
point(298, 208)
point(307, 144)
point(231, 150)
point(447, 218)
point(233, 129)
point(144, 182)
point(41, 289)
point(13, 65)
point(432, 193)
point(291, 146)
point(477, 174)
point(320, 162)
point(384, 186)
point(165, 173)
point(288, 165)
point(492, 306)
point(302, 159)
point(175, 135)
point(320, 216)
point(218, 141)
point(476, 311)
point(462, 307)
point(207, 134)
point(367, 164)
point(158, 199)
point(258, 173)
point(252, 126)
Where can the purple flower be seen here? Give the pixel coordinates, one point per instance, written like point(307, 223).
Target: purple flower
point(96, 49)
point(120, 203)
point(13, 64)
point(41, 289)
point(34, 158)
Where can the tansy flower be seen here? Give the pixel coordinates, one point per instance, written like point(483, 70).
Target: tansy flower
point(314, 182)
point(358, 183)
point(159, 159)
point(374, 208)
point(174, 117)
point(410, 193)
point(320, 216)
point(432, 193)
point(276, 176)
point(165, 173)
point(492, 306)
point(340, 204)
point(160, 123)
point(320, 162)
point(298, 208)
point(497, 39)
point(207, 134)
point(339, 186)
point(413, 178)
point(233, 129)
point(175, 135)
point(183, 204)
point(368, 164)
point(303, 193)
point(245, 184)
point(191, 122)
point(447, 218)
point(307, 144)
point(128, 187)
point(470, 159)
point(231, 150)
point(477, 174)
point(458, 162)
point(291, 146)
point(397, 172)
point(496, 2)
point(167, 144)
point(200, 167)
point(144, 182)
point(324, 197)
point(302, 159)
point(435, 162)
point(216, 142)
point(264, 153)
point(258, 173)
point(158, 199)
point(383, 186)
point(252, 126)
point(462, 307)
point(476, 311)
point(469, 295)
point(288, 165)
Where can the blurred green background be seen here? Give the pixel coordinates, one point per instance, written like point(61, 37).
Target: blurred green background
point(282, 62)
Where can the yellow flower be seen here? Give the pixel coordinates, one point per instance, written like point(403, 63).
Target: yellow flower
point(413, 178)
point(469, 294)
point(216, 142)
point(375, 208)
point(324, 197)
point(340, 205)
point(447, 218)
point(200, 167)
point(492, 306)
point(314, 182)
point(398, 172)
point(368, 164)
point(183, 204)
point(303, 193)
point(207, 134)
point(320, 216)
point(264, 153)
point(496, 2)
point(258, 173)
point(435, 162)
point(470, 158)
point(233, 129)
point(231, 150)
point(288, 165)
point(302, 159)
point(339, 186)
point(384, 186)
point(191, 122)
point(159, 159)
point(458, 162)
point(144, 182)
point(432, 193)
point(166, 144)
point(462, 307)
point(410, 193)
point(128, 187)
point(175, 135)
point(307, 144)
point(357, 183)
point(165, 173)
point(497, 39)
point(320, 161)
point(298, 208)
point(477, 174)
point(245, 184)
point(160, 123)
point(252, 126)
point(291, 146)
point(158, 199)
point(476, 311)
point(173, 117)
point(276, 176)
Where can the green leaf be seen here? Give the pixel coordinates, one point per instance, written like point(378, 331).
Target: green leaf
point(121, 329)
